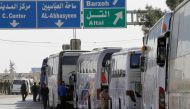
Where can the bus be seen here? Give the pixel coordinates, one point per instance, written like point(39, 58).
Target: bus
point(16, 85)
point(92, 74)
point(167, 55)
point(61, 67)
point(154, 75)
point(177, 61)
point(125, 89)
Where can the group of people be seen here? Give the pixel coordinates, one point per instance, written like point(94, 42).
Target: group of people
point(41, 91)
point(5, 87)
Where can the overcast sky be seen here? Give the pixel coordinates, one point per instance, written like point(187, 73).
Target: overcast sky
point(28, 55)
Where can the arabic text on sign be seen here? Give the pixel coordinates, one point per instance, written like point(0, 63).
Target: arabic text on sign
point(58, 6)
point(15, 6)
point(103, 14)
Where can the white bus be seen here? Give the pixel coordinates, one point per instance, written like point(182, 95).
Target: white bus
point(91, 68)
point(125, 89)
point(167, 55)
point(60, 67)
point(178, 76)
point(16, 85)
point(154, 76)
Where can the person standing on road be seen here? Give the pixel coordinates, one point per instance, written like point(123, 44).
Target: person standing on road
point(34, 91)
point(39, 91)
point(8, 87)
point(24, 91)
point(104, 97)
point(1, 87)
point(45, 93)
point(5, 87)
point(62, 91)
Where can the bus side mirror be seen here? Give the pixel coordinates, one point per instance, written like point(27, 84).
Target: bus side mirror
point(142, 63)
point(161, 51)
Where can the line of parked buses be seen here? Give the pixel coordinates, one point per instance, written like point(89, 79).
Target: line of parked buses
point(155, 76)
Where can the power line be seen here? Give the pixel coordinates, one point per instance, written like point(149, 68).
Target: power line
point(5, 40)
point(30, 45)
point(116, 41)
point(32, 42)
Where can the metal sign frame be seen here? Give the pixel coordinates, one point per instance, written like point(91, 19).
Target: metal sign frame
point(119, 15)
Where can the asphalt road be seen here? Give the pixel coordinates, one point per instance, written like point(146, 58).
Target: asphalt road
point(15, 102)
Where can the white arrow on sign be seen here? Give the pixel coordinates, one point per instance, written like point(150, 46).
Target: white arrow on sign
point(115, 2)
point(14, 23)
point(59, 23)
point(119, 15)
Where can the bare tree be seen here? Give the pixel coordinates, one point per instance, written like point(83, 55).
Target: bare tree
point(12, 70)
point(12, 67)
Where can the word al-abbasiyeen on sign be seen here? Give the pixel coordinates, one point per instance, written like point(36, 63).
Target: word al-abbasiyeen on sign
point(52, 14)
point(40, 14)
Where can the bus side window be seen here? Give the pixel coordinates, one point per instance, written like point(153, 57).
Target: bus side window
point(161, 51)
point(123, 73)
point(135, 60)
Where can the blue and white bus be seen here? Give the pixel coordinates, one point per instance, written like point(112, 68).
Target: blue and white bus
point(61, 67)
point(92, 74)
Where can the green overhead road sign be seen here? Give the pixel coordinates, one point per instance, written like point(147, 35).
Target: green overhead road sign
point(104, 18)
point(104, 13)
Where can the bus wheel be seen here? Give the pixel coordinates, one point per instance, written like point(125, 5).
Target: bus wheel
point(89, 103)
point(76, 102)
point(110, 103)
point(119, 103)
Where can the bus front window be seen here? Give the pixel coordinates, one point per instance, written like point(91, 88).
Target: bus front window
point(135, 61)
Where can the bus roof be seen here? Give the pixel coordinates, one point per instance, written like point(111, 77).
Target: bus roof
point(66, 51)
point(128, 50)
point(181, 5)
point(102, 50)
point(160, 27)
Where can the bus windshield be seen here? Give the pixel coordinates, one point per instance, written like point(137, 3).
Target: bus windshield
point(17, 81)
point(135, 61)
point(70, 60)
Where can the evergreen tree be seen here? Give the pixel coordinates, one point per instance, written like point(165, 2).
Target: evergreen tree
point(172, 4)
point(150, 18)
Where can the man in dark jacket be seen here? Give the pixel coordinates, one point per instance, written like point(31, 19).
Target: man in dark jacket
point(24, 91)
point(44, 94)
point(34, 91)
point(1, 87)
point(62, 91)
point(39, 91)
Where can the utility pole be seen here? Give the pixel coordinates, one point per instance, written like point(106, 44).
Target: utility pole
point(75, 43)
